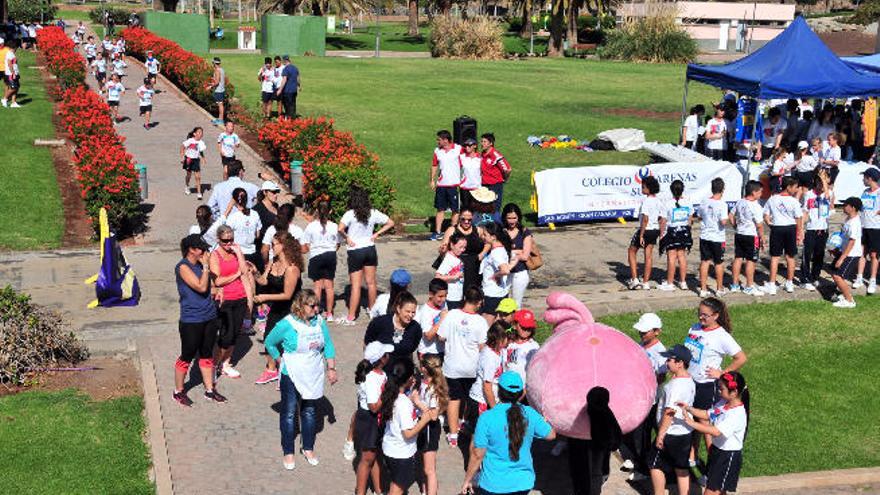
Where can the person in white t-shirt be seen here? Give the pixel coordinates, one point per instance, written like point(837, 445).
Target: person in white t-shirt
point(357, 228)
point(817, 203)
point(805, 164)
point(483, 394)
point(727, 424)
point(831, 155)
point(463, 333)
point(433, 392)
point(714, 215)
point(266, 76)
point(115, 90)
point(522, 346)
point(227, 142)
point(495, 269)
point(785, 216)
point(429, 316)
point(12, 78)
point(366, 437)
point(153, 66)
point(445, 179)
point(145, 101)
point(675, 236)
point(650, 211)
point(781, 167)
point(192, 151)
point(451, 270)
point(851, 249)
point(321, 239)
point(246, 226)
point(471, 173)
point(771, 134)
point(870, 218)
point(690, 132)
point(405, 416)
point(747, 216)
point(119, 66)
point(674, 436)
point(716, 135)
point(283, 221)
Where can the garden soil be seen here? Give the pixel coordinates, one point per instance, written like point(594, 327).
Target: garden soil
point(102, 378)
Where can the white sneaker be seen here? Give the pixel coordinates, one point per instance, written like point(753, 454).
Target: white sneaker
point(14, 105)
point(721, 292)
point(633, 284)
point(770, 288)
point(666, 286)
point(348, 451)
point(843, 303)
point(735, 288)
point(231, 372)
point(704, 293)
point(683, 285)
point(808, 286)
point(872, 287)
point(627, 465)
point(789, 286)
point(858, 284)
point(753, 291)
point(646, 285)
point(187, 191)
point(835, 297)
point(4, 103)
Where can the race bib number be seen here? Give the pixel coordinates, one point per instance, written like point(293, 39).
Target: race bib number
point(696, 347)
point(869, 202)
point(824, 209)
point(680, 214)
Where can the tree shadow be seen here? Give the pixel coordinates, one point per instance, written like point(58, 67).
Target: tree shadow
point(339, 43)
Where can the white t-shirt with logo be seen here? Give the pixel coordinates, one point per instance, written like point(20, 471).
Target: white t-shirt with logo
point(783, 210)
point(405, 417)
point(495, 287)
point(359, 233)
point(449, 167)
point(472, 177)
point(463, 333)
point(152, 65)
point(713, 213)
point(145, 96)
point(732, 422)
point(100, 65)
point(519, 354)
point(114, 91)
point(716, 126)
point(829, 153)
point(11, 63)
point(321, 238)
point(691, 128)
point(651, 207)
point(678, 216)
point(193, 148)
point(119, 66)
point(772, 130)
point(228, 142)
point(489, 369)
point(870, 207)
point(708, 348)
point(450, 266)
point(369, 391)
point(267, 80)
point(747, 213)
point(427, 316)
point(817, 208)
point(91, 50)
point(852, 229)
point(807, 163)
point(245, 228)
point(677, 389)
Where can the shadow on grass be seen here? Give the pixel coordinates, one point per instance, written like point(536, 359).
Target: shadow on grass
point(339, 43)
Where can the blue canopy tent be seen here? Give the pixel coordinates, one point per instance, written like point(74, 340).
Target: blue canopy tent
point(868, 64)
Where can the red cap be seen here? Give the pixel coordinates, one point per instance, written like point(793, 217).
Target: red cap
point(525, 318)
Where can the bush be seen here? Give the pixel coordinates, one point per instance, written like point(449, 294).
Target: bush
point(867, 13)
point(585, 22)
point(32, 338)
point(514, 24)
point(656, 38)
point(31, 11)
point(61, 59)
point(333, 183)
point(119, 16)
point(477, 38)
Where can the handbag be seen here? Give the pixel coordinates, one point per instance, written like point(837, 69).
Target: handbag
point(535, 260)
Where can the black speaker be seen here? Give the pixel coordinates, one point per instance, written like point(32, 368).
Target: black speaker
point(463, 128)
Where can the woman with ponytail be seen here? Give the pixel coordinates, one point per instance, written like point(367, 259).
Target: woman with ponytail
point(589, 459)
point(727, 424)
point(502, 445)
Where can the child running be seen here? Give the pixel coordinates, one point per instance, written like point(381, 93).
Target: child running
point(99, 68)
point(321, 239)
point(713, 212)
point(850, 251)
point(119, 66)
point(145, 98)
point(434, 393)
point(370, 381)
point(153, 66)
point(227, 142)
point(817, 203)
point(192, 151)
point(785, 216)
point(429, 316)
point(747, 218)
point(675, 239)
point(115, 90)
point(451, 270)
point(646, 236)
point(91, 50)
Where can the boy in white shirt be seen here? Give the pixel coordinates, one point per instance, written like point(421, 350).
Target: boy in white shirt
point(850, 252)
point(784, 215)
point(673, 444)
point(445, 179)
point(91, 50)
point(713, 213)
point(115, 90)
point(227, 142)
point(817, 200)
point(650, 211)
point(870, 218)
point(153, 65)
point(429, 316)
point(145, 98)
point(266, 76)
point(747, 217)
point(716, 135)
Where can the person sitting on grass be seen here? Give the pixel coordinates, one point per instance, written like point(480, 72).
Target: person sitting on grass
point(847, 258)
point(646, 236)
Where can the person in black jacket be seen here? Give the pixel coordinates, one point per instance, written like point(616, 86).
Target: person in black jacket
point(589, 459)
point(398, 329)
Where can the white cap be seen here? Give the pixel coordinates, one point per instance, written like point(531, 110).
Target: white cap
point(270, 186)
point(803, 145)
point(375, 350)
point(648, 322)
point(2, 41)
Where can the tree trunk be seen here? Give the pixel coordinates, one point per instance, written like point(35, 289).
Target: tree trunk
point(525, 30)
point(445, 6)
point(572, 24)
point(316, 8)
point(4, 17)
point(557, 32)
point(168, 5)
point(413, 18)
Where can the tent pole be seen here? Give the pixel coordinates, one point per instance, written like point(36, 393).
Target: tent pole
point(684, 105)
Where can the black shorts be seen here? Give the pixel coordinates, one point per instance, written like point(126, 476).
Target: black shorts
point(871, 240)
point(429, 437)
point(13, 82)
point(675, 454)
point(847, 268)
point(359, 258)
point(745, 247)
point(192, 164)
point(459, 387)
point(146, 108)
point(712, 251)
point(90, 60)
point(231, 314)
point(101, 77)
point(267, 96)
point(724, 467)
point(677, 238)
point(219, 96)
point(490, 304)
point(650, 238)
point(366, 431)
point(706, 395)
point(401, 471)
point(446, 198)
point(113, 103)
point(783, 239)
point(323, 266)
point(227, 160)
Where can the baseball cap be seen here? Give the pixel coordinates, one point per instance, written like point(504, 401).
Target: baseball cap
point(216, 60)
point(270, 186)
point(854, 202)
point(678, 352)
point(507, 305)
point(511, 381)
point(375, 350)
point(525, 318)
point(872, 173)
point(803, 145)
point(193, 241)
point(470, 142)
point(400, 277)
point(648, 322)
point(285, 57)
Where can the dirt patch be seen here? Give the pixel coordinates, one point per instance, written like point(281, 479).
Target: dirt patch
point(100, 378)
point(848, 43)
point(643, 114)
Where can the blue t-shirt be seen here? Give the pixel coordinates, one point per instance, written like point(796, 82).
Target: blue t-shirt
point(501, 474)
point(292, 74)
point(195, 307)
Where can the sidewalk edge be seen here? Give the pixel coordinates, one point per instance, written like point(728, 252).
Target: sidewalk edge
point(155, 427)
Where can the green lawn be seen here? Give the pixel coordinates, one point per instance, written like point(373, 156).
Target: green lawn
point(811, 375)
point(70, 15)
point(29, 186)
point(395, 106)
point(61, 442)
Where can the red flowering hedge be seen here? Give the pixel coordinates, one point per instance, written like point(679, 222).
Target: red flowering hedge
point(186, 70)
point(60, 58)
point(332, 161)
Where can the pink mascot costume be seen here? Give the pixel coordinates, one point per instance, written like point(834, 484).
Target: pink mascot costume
point(582, 354)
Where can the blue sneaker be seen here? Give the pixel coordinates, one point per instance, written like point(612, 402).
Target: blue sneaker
point(436, 237)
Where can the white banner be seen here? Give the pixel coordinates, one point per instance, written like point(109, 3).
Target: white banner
point(614, 191)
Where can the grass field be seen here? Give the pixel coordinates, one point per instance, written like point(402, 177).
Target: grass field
point(61, 442)
point(29, 186)
point(395, 106)
point(811, 376)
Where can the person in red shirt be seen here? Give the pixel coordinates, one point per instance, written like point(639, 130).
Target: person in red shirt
point(494, 168)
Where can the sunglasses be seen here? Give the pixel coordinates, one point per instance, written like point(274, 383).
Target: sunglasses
point(466, 220)
point(705, 315)
point(225, 241)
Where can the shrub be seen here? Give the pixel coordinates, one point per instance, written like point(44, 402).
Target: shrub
point(333, 183)
point(119, 16)
point(476, 38)
point(31, 11)
point(867, 13)
point(655, 38)
point(32, 338)
point(514, 24)
point(61, 59)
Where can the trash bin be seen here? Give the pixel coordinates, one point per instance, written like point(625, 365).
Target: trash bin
point(296, 181)
point(142, 179)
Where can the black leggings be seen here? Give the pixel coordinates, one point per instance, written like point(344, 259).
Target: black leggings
point(197, 339)
point(588, 464)
point(813, 254)
point(231, 315)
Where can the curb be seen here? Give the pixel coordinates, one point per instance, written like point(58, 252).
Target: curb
point(815, 479)
point(161, 469)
